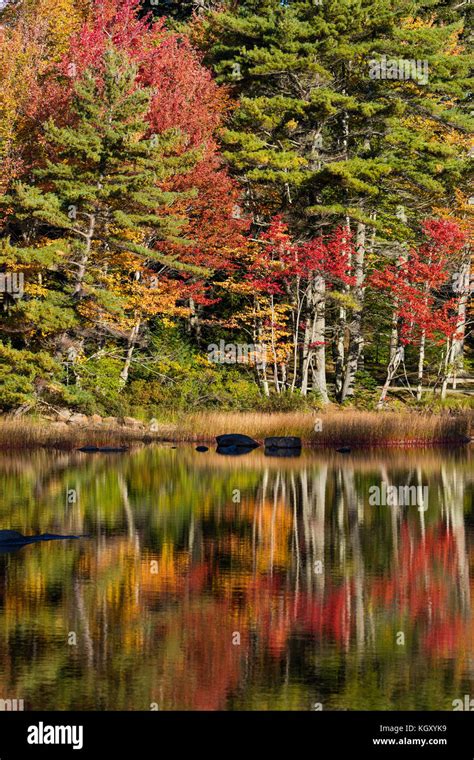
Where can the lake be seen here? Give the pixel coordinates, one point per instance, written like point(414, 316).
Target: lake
point(209, 582)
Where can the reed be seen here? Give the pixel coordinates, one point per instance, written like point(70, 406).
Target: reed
point(30, 434)
point(332, 428)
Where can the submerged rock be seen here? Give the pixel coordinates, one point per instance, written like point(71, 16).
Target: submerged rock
point(202, 448)
point(234, 451)
point(13, 538)
point(238, 440)
point(275, 452)
point(283, 442)
point(106, 449)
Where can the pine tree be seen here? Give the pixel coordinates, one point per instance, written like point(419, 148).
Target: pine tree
point(335, 124)
point(100, 198)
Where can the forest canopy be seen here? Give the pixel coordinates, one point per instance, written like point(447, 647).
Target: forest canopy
point(252, 205)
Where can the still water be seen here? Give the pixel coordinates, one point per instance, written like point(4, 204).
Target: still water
point(210, 582)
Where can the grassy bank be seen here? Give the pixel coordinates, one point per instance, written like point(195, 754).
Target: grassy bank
point(335, 428)
point(332, 428)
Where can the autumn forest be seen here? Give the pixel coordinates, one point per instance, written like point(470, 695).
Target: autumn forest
point(254, 205)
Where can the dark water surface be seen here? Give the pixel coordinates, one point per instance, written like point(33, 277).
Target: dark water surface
point(213, 582)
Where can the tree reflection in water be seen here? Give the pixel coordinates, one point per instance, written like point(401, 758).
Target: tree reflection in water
point(189, 598)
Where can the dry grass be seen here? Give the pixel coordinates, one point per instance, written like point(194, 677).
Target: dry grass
point(30, 434)
point(337, 428)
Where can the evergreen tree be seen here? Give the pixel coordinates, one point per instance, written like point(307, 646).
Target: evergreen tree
point(347, 111)
point(100, 198)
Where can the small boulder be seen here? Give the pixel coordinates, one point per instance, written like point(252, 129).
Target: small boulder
point(110, 421)
point(63, 415)
point(78, 419)
point(238, 440)
point(96, 419)
point(202, 448)
point(131, 422)
point(283, 442)
point(344, 450)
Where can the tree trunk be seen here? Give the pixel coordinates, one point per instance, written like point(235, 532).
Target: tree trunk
point(298, 305)
point(338, 352)
point(81, 271)
point(257, 339)
point(131, 345)
point(394, 328)
point(447, 367)
point(391, 372)
point(194, 321)
point(356, 339)
point(274, 353)
point(458, 341)
point(306, 353)
point(319, 356)
point(316, 348)
point(394, 331)
point(421, 360)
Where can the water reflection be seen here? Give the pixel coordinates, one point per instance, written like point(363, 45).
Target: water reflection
point(214, 582)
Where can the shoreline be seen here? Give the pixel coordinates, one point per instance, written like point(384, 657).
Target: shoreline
point(357, 429)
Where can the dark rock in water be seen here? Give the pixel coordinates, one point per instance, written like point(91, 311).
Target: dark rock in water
point(234, 451)
point(235, 439)
point(283, 442)
point(11, 540)
point(344, 450)
point(272, 451)
point(107, 449)
point(202, 448)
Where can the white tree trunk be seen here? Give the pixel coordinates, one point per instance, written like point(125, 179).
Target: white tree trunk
point(458, 341)
point(391, 372)
point(421, 361)
point(356, 339)
point(319, 351)
point(81, 270)
point(131, 345)
point(447, 367)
